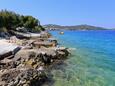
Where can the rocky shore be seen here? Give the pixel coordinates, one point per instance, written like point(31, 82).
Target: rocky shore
point(26, 65)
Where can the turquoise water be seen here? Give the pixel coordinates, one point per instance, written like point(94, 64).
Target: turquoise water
point(93, 61)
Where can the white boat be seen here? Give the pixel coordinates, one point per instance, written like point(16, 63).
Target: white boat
point(61, 32)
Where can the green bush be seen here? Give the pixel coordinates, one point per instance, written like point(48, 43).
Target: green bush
point(11, 21)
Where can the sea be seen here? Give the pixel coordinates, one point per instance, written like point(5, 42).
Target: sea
point(92, 59)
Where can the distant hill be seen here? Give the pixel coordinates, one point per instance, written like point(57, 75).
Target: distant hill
point(76, 27)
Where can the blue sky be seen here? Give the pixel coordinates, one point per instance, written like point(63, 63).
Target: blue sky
point(66, 12)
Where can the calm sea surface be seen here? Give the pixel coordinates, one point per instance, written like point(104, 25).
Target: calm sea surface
point(93, 61)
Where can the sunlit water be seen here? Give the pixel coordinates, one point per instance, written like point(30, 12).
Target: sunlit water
point(93, 61)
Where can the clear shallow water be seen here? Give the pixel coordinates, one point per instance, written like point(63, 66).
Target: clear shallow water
point(93, 61)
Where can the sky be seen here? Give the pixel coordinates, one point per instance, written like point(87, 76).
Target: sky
point(66, 12)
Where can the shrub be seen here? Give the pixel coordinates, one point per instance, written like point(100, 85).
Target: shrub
point(10, 21)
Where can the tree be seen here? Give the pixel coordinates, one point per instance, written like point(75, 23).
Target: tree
point(11, 21)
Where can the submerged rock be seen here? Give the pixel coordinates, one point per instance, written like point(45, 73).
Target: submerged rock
point(27, 77)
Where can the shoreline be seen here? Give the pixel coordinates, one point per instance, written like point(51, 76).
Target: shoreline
point(28, 65)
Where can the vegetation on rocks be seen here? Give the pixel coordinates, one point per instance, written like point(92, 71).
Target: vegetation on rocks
point(29, 63)
point(10, 21)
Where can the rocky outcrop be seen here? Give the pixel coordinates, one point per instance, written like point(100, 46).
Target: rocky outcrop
point(9, 52)
point(43, 56)
point(27, 66)
point(30, 35)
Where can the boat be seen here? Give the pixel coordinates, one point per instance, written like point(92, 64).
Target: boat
point(61, 32)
